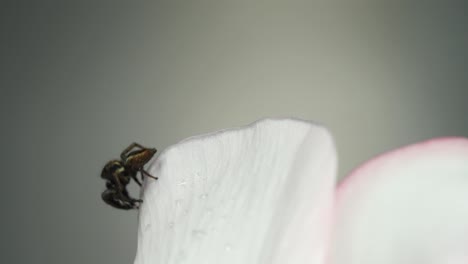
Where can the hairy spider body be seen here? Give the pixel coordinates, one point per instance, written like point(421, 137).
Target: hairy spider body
point(119, 198)
point(118, 174)
point(137, 159)
point(115, 172)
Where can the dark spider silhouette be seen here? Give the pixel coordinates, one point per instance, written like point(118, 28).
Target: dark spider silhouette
point(118, 173)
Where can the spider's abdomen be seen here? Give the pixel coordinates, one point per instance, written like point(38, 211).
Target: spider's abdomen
point(137, 159)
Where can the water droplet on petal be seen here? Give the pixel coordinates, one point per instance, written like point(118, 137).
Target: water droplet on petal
point(227, 247)
point(198, 233)
point(182, 183)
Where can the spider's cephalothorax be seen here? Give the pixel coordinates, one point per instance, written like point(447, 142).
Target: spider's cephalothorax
point(118, 173)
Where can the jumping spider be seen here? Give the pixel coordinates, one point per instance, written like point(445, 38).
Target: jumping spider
point(118, 173)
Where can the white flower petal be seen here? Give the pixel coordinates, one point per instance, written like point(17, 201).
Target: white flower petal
point(258, 194)
point(408, 206)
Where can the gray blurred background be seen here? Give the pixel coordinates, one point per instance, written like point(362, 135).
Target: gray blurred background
point(83, 80)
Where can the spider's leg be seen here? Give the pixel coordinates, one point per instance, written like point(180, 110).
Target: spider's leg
point(124, 153)
point(142, 171)
point(134, 177)
point(127, 197)
point(119, 184)
point(121, 189)
point(137, 205)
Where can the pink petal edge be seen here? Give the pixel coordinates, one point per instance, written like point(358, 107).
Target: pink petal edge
point(457, 143)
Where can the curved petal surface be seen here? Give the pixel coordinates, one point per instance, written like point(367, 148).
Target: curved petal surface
point(407, 206)
point(257, 194)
